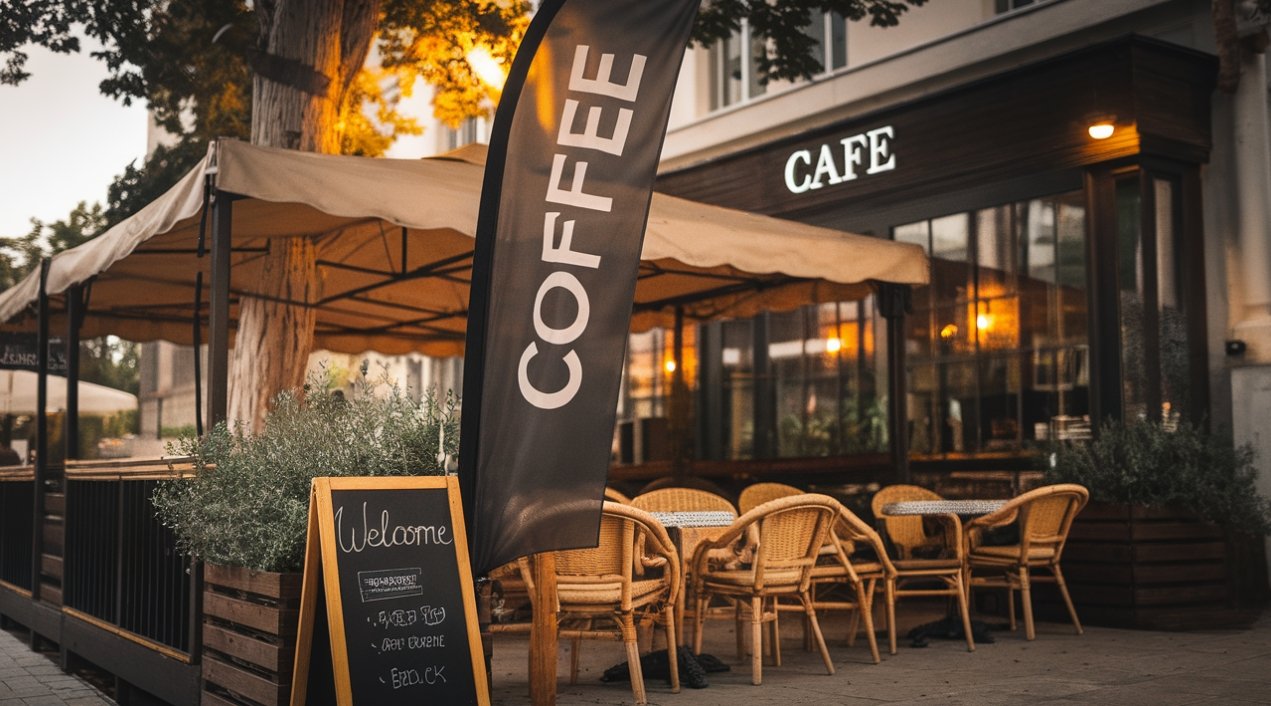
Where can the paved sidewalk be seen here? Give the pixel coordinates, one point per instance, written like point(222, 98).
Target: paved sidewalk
point(31, 679)
point(1104, 666)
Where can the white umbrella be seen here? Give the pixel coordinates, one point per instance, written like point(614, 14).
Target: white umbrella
point(17, 395)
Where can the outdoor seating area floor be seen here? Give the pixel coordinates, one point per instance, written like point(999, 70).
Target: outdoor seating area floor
point(30, 678)
point(1104, 666)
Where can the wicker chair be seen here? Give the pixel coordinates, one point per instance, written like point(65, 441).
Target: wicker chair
point(615, 496)
point(857, 559)
point(682, 500)
point(907, 533)
point(678, 499)
point(1044, 516)
point(786, 542)
point(923, 559)
point(759, 493)
point(602, 583)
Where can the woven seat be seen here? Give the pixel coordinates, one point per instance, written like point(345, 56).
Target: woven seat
point(602, 584)
point(786, 540)
point(1044, 517)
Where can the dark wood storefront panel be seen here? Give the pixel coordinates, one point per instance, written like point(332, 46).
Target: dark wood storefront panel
point(1024, 122)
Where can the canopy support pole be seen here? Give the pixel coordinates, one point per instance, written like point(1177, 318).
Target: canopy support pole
point(41, 432)
point(74, 317)
point(218, 320)
point(197, 340)
point(893, 304)
point(681, 429)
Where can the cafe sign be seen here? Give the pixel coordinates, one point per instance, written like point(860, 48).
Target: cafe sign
point(848, 159)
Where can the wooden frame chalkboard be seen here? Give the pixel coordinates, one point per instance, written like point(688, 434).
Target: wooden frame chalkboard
point(387, 611)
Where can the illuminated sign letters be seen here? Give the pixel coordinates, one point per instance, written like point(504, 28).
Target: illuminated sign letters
point(850, 158)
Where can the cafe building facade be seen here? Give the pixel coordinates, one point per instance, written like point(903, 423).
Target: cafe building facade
point(1068, 166)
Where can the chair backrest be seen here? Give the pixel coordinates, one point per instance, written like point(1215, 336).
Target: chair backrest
point(853, 533)
point(615, 496)
point(1046, 515)
point(789, 534)
point(905, 532)
point(627, 536)
point(682, 500)
point(759, 493)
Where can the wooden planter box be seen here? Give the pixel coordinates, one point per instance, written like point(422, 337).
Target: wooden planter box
point(249, 635)
point(1157, 568)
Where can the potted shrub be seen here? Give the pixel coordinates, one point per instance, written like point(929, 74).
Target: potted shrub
point(244, 514)
point(1174, 535)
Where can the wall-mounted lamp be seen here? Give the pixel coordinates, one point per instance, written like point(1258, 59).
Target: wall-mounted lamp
point(1102, 127)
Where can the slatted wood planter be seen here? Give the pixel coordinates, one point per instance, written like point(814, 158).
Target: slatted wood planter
point(1158, 568)
point(249, 636)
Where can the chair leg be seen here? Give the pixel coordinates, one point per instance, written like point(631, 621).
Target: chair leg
point(633, 658)
point(756, 641)
point(890, 597)
point(1010, 602)
point(1026, 603)
point(965, 610)
point(816, 632)
point(775, 631)
point(672, 648)
point(698, 616)
point(1063, 591)
point(575, 647)
point(864, 611)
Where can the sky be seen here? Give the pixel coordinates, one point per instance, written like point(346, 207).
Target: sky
point(61, 141)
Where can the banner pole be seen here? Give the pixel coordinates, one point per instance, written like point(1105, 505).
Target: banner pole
point(543, 639)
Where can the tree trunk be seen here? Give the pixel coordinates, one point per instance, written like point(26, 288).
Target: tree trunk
point(310, 52)
point(275, 335)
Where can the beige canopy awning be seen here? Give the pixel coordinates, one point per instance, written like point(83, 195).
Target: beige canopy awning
point(395, 240)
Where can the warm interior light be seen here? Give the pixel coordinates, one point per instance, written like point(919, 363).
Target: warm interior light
point(487, 68)
point(949, 331)
point(669, 365)
point(833, 344)
point(984, 322)
point(1101, 130)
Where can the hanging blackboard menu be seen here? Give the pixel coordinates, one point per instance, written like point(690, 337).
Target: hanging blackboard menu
point(387, 614)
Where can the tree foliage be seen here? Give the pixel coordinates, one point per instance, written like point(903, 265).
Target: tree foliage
point(781, 26)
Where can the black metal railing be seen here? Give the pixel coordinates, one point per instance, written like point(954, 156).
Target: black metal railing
point(17, 497)
point(122, 565)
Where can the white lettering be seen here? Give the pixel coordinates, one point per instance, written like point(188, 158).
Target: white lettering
point(590, 138)
point(804, 156)
point(602, 85)
point(574, 196)
point(549, 400)
point(825, 167)
point(853, 154)
point(880, 157)
point(563, 254)
point(870, 151)
point(386, 536)
point(569, 283)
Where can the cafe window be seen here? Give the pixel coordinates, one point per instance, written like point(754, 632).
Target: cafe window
point(1155, 348)
point(997, 346)
point(797, 383)
point(828, 32)
point(1004, 6)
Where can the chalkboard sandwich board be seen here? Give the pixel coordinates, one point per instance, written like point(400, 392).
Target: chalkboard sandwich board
point(387, 613)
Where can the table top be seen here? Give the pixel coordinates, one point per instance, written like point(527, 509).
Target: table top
point(943, 507)
point(713, 518)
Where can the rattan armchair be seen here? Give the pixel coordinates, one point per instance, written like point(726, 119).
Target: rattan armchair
point(682, 500)
point(1044, 517)
point(907, 533)
point(602, 584)
point(787, 537)
point(941, 568)
point(757, 494)
point(616, 496)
